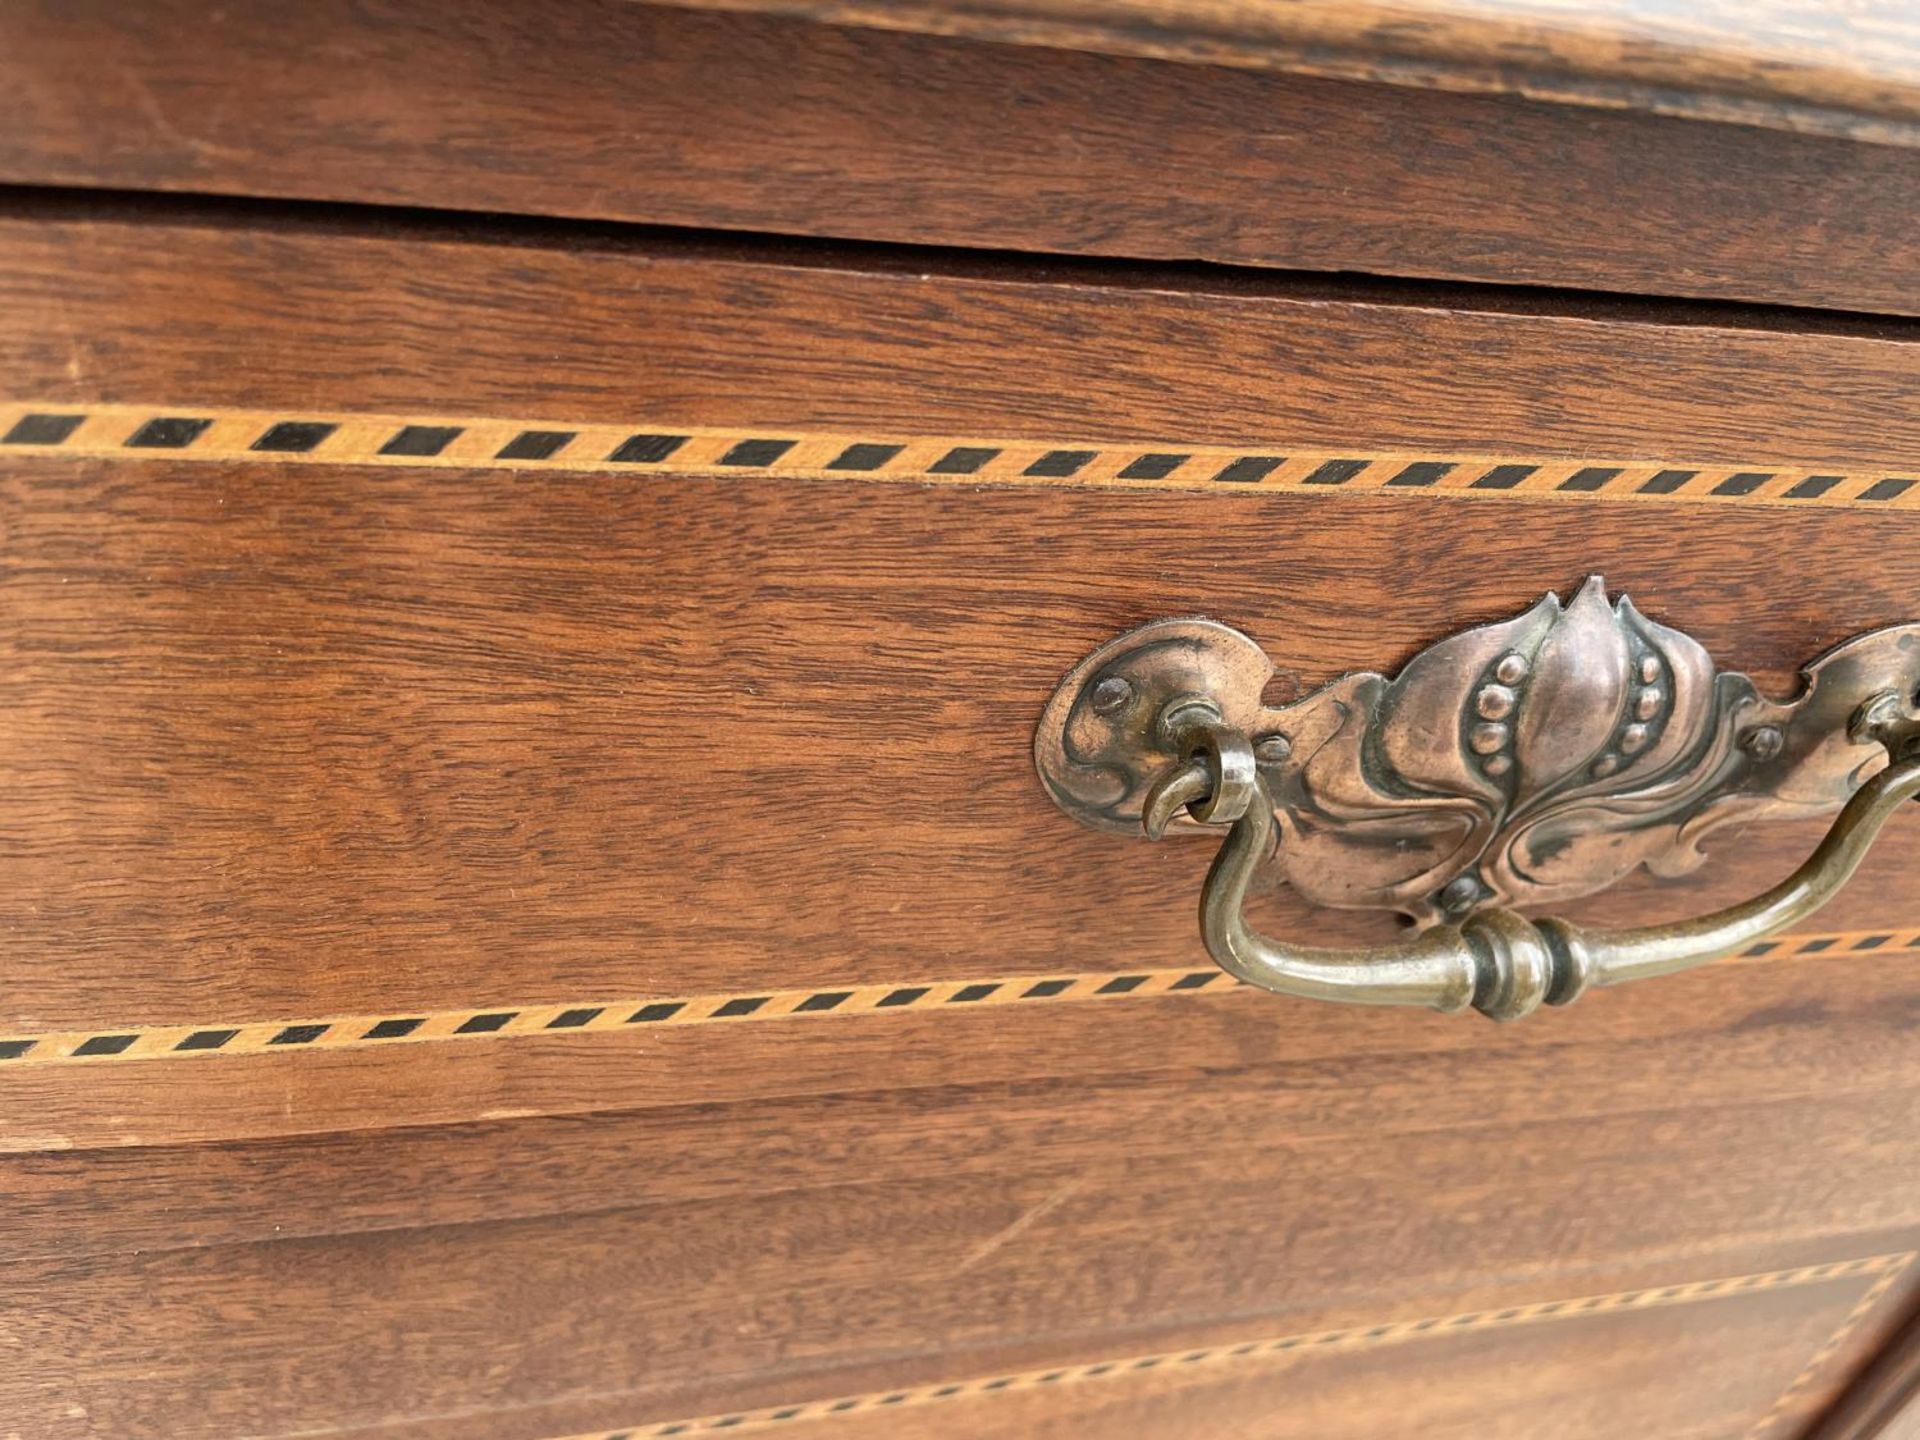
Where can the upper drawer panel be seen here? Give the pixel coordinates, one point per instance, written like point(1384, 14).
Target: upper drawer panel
point(606, 109)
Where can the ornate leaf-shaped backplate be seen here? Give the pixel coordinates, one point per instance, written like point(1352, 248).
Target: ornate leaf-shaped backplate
point(1520, 763)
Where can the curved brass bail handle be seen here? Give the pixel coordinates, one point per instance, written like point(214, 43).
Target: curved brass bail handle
point(1498, 961)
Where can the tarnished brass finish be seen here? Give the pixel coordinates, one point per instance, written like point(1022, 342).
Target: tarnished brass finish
point(1517, 763)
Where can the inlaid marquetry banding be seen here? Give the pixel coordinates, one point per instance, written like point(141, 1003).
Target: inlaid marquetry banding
point(131, 432)
point(650, 1012)
point(1883, 1269)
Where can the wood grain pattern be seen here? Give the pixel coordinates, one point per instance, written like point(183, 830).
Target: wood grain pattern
point(617, 1315)
point(1824, 65)
point(1643, 1371)
point(334, 665)
point(288, 739)
point(454, 318)
point(333, 660)
point(223, 1037)
point(608, 110)
point(1868, 1023)
point(1171, 1377)
point(1799, 1132)
point(707, 1256)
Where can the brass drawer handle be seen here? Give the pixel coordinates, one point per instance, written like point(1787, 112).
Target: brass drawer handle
point(1519, 763)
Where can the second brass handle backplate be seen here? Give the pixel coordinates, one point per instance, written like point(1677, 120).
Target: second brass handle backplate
point(1520, 763)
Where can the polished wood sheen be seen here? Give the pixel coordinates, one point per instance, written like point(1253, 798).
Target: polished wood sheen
point(1841, 66)
point(291, 738)
point(609, 110)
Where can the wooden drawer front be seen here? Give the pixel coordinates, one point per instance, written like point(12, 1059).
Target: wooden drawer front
point(612, 110)
point(520, 835)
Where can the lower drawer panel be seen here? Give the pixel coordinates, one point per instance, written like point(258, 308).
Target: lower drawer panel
point(1592, 1366)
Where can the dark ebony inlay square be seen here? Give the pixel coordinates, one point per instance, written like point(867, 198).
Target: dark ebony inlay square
point(104, 1044)
point(42, 430)
point(1152, 467)
point(1503, 477)
point(740, 1005)
point(485, 1024)
point(757, 452)
point(659, 1010)
point(535, 445)
point(823, 1000)
point(14, 1049)
point(169, 432)
point(1060, 463)
point(1249, 468)
point(294, 436)
point(1422, 472)
point(206, 1040)
point(394, 1029)
point(1594, 477)
point(298, 1035)
point(1745, 483)
point(1121, 984)
point(573, 1019)
point(1197, 980)
point(1886, 489)
point(1335, 472)
point(968, 993)
point(1813, 487)
point(962, 460)
point(1814, 947)
point(1871, 942)
point(1042, 989)
point(864, 457)
point(421, 439)
point(1667, 481)
point(904, 996)
point(646, 449)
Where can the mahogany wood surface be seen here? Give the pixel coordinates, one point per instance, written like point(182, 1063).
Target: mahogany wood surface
point(1840, 66)
point(1695, 1375)
point(607, 110)
point(287, 740)
point(401, 1336)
